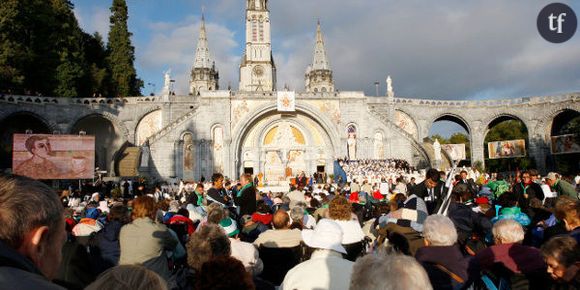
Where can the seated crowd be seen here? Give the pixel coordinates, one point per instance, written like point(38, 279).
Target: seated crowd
point(459, 234)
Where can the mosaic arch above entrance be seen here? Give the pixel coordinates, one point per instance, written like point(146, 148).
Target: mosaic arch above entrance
point(277, 147)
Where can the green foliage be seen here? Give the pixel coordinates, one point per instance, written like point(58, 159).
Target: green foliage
point(507, 130)
point(44, 51)
point(121, 54)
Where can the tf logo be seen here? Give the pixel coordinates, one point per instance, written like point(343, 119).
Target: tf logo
point(557, 23)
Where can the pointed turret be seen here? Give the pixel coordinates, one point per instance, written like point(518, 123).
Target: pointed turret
point(318, 76)
point(320, 60)
point(204, 75)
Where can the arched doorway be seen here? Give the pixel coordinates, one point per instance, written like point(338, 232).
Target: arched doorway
point(565, 142)
point(284, 145)
point(18, 123)
point(285, 149)
point(453, 133)
point(507, 156)
point(107, 139)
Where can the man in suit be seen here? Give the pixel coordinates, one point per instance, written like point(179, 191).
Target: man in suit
point(469, 182)
point(432, 190)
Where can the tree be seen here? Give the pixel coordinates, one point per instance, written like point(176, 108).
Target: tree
point(121, 54)
point(40, 48)
point(67, 39)
point(97, 79)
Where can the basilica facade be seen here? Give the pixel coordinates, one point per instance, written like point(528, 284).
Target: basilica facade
point(268, 132)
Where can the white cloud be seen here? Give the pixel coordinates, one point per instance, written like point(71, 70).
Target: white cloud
point(448, 49)
point(172, 46)
point(93, 19)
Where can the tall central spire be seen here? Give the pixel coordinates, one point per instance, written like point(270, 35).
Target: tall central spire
point(204, 75)
point(318, 77)
point(202, 56)
point(320, 60)
point(257, 68)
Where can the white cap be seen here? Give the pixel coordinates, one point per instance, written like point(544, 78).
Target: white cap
point(326, 235)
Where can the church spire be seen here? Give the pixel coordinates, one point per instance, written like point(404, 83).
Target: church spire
point(202, 56)
point(318, 76)
point(320, 60)
point(204, 75)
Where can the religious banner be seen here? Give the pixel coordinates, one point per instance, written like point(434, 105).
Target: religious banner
point(455, 151)
point(44, 156)
point(507, 149)
point(286, 101)
point(565, 144)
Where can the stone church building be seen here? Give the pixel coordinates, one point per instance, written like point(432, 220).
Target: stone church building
point(260, 130)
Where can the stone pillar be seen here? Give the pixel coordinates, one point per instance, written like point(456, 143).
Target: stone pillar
point(174, 168)
point(477, 147)
point(538, 149)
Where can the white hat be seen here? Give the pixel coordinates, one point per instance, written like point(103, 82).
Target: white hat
point(326, 235)
point(552, 176)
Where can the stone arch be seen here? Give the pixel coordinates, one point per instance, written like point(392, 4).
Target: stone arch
point(149, 124)
point(108, 138)
point(503, 163)
point(452, 117)
point(562, 147)
point(18, 123)
point(406, 122)
point(561, 119)
point(273, 123)
point(244, 126)
point(498, 118)
point(463, 123)
point(119, 125)
point(544, 125)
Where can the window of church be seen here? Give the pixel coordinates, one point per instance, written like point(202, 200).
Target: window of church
point(254, 29)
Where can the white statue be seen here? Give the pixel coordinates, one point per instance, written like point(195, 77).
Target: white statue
point(390, 92)
point(145, 153)
point(166, 83)
point(437, 149)
point(351, 143)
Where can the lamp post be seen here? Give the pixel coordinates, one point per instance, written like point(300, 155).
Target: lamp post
point(153, 90)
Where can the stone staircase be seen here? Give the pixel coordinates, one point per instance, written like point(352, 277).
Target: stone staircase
point(165, 130)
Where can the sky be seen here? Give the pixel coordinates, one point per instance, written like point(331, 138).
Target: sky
point(477, 49)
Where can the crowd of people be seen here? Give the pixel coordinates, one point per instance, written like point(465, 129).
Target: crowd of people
point(446, 231)
point(375, 170)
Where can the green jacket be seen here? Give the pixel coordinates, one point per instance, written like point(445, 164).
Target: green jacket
point(563, 187)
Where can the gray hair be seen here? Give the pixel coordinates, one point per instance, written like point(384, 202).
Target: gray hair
point(297, 214)
point(26, 204)
point(390, 272)
point(439, 230)
point(508, 231)
point(128, 277)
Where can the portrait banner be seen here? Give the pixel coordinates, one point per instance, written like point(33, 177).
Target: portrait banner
point(44, 156)
point(506, 149)
point(455, 151)
point(565, 144)
point(286, 101)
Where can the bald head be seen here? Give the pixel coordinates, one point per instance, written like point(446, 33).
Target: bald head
point(281, 220)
